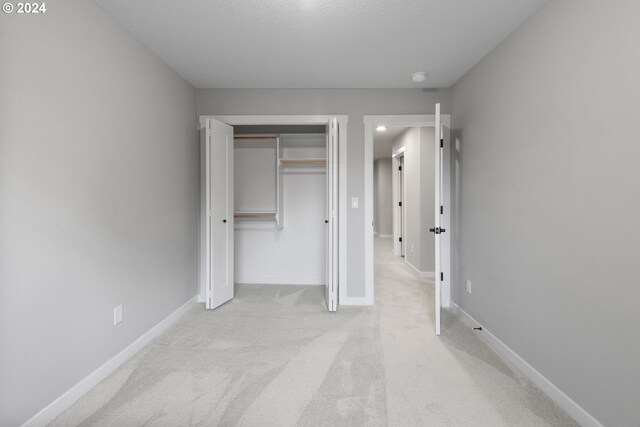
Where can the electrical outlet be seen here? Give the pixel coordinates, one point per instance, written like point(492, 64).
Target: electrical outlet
point(355, 202)
point(117, 315)
point(468, 286)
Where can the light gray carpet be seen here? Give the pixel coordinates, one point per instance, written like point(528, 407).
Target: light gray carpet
point(275, 357)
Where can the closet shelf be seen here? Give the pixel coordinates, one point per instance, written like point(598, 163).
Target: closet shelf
point(303, 162)
point(267, 215)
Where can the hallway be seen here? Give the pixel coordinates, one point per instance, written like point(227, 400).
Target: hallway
point(273, 356)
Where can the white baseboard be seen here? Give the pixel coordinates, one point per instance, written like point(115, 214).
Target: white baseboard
point(58, 406)
point(428, 275)
point(280, 280)
point(579, 414)
point(355, 301)
point(423, 274)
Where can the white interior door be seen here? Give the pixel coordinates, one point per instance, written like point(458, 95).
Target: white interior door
point(438, 230)
point(331, 291)
point(219, 216)
point(401, 205)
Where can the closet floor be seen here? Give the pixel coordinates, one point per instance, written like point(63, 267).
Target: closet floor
point(274, 356)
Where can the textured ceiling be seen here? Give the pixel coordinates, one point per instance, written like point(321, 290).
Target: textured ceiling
point(320, 43)
point(383, 141)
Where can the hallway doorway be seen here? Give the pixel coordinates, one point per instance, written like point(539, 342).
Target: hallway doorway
point(420, 156)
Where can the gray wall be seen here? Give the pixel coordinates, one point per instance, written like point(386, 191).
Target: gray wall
point(383, 200)
point(354, 102)
point(410, 140)
point(547, 200)
point(98, 198)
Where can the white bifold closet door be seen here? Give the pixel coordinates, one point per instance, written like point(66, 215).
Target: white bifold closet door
point(438, 230)
point(218, 188)
point(331, 291)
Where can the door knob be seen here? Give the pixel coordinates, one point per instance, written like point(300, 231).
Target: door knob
point(326, 221)
point(224, 220)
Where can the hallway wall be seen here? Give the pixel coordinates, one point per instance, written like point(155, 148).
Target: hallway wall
point(383, 200)
point(546, 156)
point(419, 173)
point(98, 198)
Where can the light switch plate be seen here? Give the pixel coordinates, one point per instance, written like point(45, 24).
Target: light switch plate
point(355, 202)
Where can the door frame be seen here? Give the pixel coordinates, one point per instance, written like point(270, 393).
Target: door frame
point(343, 120)
point(399, 218)
point(408, 120)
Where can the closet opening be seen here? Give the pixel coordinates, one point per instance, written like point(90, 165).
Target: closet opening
point(269, 208)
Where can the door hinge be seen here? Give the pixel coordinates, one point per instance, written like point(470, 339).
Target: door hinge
point(441, 143)
point(441, 210)
point(400, 239)
point(399, 168)
point(441, 276)
point(399, 203)
point(437, 230)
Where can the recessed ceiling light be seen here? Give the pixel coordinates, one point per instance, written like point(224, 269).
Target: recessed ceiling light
point(381, 128)
point(419, 77)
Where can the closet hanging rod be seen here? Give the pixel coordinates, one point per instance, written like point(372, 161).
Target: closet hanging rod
point(255, 137)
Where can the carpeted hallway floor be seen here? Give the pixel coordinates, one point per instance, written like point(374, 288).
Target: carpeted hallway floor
point(275, 357)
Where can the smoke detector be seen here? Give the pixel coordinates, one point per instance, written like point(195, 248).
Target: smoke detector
point(419, 77)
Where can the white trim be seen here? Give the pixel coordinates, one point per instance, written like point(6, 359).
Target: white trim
point(342, 209)
point(399, 152)
point(284, 119)
point(418, 120)
point(577, 412)
point(397, 187)
point(382, 236)
point(423, 274)
point(356, 301)
point(369, 291)
point(303, 281)
point(409, 120)
point(58, 406)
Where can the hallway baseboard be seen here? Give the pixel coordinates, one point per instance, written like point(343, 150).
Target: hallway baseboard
point(577, 412)
point(58, 406)
point(424, 274)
